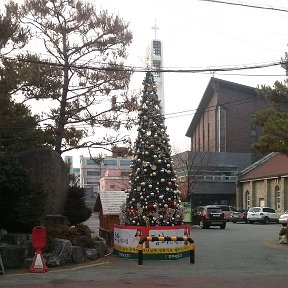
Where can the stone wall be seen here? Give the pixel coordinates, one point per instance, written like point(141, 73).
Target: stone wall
point(48, 169)
point(17, 252)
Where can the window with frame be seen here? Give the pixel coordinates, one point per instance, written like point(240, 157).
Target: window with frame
point(278, 197)
point(91, 183)
point(156, 66)
point(157, 48)
point(93, 173)
point(90, 162)
point(125, 162)
point(125, 173)
point(110, 162)
point(247, 199)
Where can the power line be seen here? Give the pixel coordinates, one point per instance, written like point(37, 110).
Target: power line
point(212, 107)
point(167, 115)
point(226, 103)
point(253, 75)
point(163, 70)
point(246, 5)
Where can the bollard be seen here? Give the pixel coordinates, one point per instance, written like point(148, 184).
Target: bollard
point(149, 238)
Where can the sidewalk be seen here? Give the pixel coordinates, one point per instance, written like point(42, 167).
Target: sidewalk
point(93, 223)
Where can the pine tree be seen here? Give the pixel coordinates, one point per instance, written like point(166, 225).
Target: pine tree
point(74, 34)
point(153, 199)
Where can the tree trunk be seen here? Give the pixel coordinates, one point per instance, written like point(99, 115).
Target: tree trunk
point(60, 130)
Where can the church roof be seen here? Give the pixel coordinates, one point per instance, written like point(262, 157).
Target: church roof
point(214, 85)
point(271, 166)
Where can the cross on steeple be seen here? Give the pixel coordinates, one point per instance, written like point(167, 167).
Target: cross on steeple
point(155, 28)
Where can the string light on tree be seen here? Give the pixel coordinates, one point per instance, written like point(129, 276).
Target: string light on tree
point(154, 198)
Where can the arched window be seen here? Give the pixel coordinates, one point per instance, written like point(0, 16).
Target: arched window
point(247, 199)
point(277, 198)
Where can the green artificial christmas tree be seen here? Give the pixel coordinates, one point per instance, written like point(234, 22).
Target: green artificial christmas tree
point(153, 199)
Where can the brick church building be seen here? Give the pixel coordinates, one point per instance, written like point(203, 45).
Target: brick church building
point(224, 118)
point(223, 125)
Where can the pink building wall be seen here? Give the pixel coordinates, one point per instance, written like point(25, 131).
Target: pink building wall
point(114, 180)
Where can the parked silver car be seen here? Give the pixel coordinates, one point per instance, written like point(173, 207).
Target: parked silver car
point(228, 210)
point(283, 219)
point(262, 215)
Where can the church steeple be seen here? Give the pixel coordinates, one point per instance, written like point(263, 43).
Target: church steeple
point(157, 65)
point(155, 28)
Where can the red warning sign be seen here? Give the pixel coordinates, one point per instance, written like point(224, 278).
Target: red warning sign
point(38, 243)
point(38, 264)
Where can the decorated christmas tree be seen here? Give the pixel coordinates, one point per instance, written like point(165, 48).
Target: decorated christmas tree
point(154, 199)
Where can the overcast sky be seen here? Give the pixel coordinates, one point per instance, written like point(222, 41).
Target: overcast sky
point(204, 34)
point(199, 34)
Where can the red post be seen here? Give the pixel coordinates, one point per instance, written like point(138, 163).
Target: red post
point(38, 243)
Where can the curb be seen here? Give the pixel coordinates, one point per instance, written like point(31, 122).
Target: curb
point(92, 263)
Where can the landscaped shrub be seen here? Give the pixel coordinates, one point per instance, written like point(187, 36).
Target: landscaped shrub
point(21, 201)
point(75, 208)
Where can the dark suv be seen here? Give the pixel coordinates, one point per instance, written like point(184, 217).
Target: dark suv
point(210, 215)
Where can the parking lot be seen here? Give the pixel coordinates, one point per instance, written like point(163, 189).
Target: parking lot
point(244, 255)
point(241, 248)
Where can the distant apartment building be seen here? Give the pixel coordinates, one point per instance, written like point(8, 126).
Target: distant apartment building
point(91, 170)
point(73, 170)
point(69, 161)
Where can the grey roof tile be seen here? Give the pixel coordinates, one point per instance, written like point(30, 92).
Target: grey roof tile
point(111, 201)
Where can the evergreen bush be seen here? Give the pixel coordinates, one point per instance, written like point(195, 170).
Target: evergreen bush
point(21, 201)
point(75, 208)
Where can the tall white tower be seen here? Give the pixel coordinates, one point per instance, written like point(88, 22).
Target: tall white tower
point(157, 64)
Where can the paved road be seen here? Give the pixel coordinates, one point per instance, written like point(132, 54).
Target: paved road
point(242, 255)
point(93, 223)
